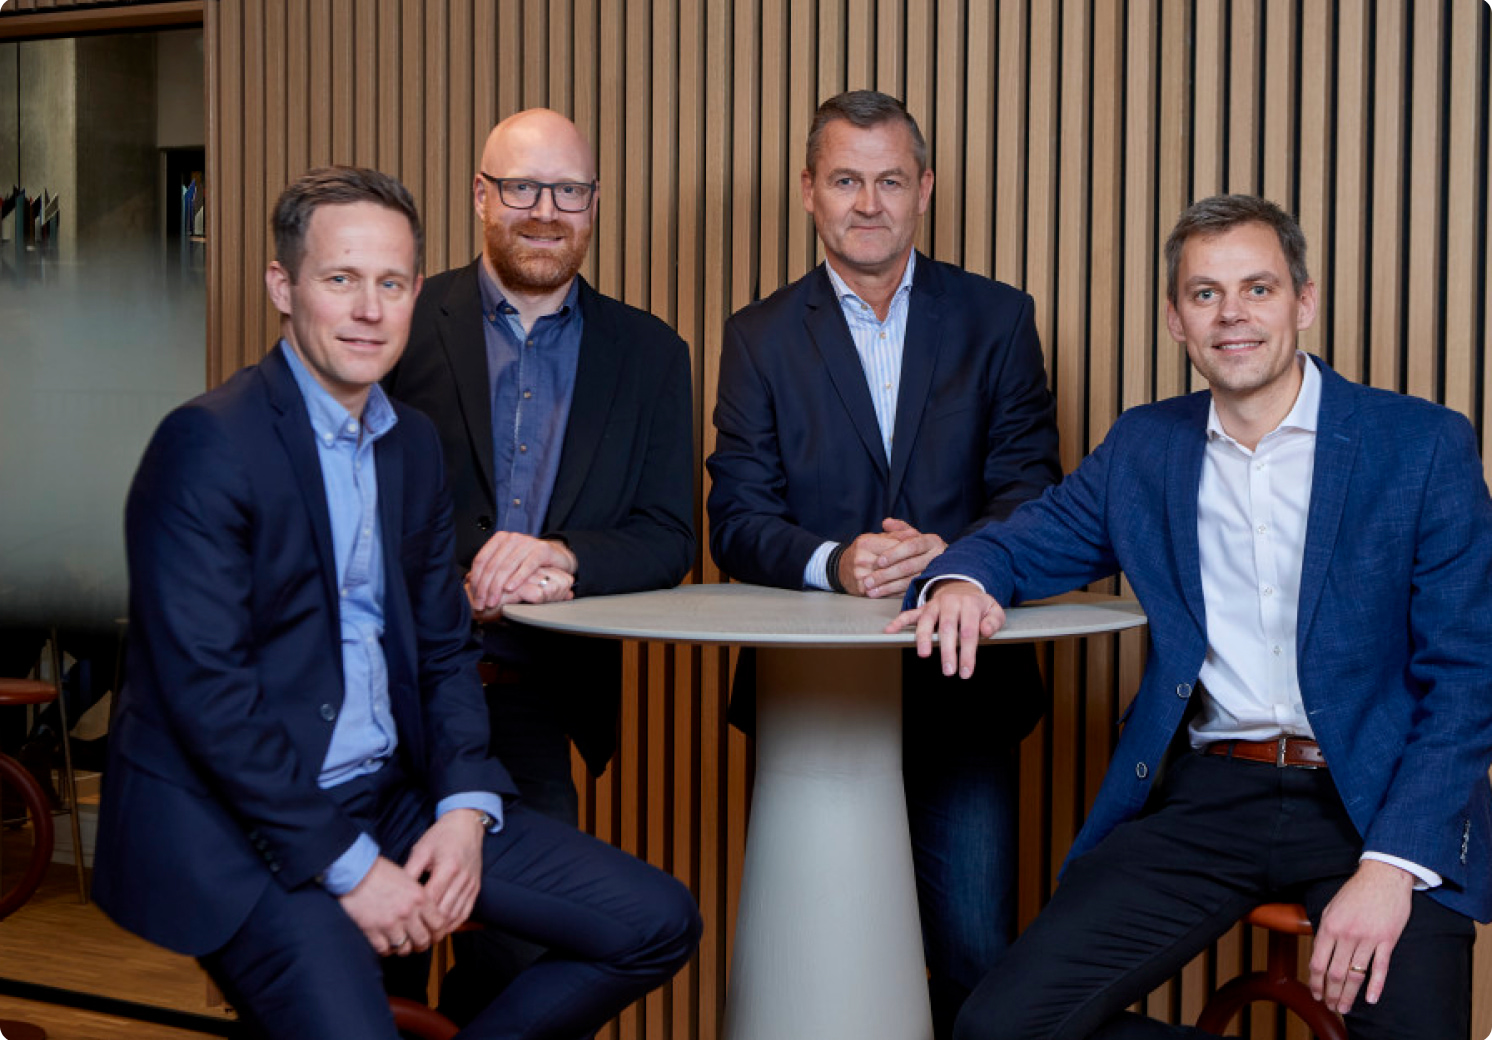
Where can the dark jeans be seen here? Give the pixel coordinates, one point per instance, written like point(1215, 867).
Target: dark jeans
point(1220, 837)
point(614, 928)
point(962, 807)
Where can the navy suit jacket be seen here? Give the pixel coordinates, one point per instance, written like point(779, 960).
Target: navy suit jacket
point(235, 666)
point(1394, 631)
point(798, 455)
point(624, 495)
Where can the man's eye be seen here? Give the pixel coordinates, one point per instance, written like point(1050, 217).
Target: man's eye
point(1259, 290)
point(522, 187)
point(1205, 295)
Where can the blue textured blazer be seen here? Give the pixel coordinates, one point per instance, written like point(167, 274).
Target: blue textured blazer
point(234, 678)
point(1395, 617)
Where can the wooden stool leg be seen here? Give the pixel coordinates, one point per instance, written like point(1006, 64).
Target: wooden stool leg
point(69, 778)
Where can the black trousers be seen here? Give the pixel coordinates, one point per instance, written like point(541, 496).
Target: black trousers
point(614, 928)
point(1219, 837)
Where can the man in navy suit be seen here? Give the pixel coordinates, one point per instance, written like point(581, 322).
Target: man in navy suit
point(1314, 557)
point(880, 406)
point(298, 780)
point(566, 420)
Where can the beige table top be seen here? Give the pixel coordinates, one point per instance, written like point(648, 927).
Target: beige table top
point(752, 615)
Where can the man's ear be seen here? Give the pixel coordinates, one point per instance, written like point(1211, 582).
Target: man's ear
point(278, 281)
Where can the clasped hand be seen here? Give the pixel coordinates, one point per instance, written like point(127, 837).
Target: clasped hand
point(879, 564)
point(402, 910)
point(518, 568)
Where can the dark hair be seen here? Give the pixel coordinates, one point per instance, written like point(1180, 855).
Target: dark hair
point(337, 186)
point(1213, 216)
point(865, 109)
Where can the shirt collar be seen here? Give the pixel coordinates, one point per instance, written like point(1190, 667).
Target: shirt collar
point(494, 304)
point(328, 418)
point(843, 291)
point(1303, 415)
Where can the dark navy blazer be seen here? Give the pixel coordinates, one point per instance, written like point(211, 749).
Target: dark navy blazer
point(799, 459)
point(1394, 632)
point(235, 666)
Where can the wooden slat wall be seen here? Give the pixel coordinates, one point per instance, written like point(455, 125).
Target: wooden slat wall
point(1066, 135)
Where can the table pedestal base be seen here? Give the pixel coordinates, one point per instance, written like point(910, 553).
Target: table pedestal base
point(828, 942)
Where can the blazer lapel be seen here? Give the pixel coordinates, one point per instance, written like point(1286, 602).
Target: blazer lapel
point(464, 339)
point(596, 375)
point(831, 338)
point(293, 427)
point(919, 358)
point(1183, 480)
point(1337, 439)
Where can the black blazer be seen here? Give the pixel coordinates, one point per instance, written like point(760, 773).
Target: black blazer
point(798, 456)
point(234, 679)
point(623, 496)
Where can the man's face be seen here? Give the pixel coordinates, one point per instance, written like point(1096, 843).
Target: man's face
point(866, 196)
point(1239, 315)
point(351, 302)
point(535, 250)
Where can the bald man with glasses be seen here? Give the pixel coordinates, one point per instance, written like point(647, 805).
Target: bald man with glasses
point(566, 421)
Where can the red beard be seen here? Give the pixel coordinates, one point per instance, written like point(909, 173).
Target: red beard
point(524, 269)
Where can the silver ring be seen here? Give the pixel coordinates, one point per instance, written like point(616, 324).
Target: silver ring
point(400, 942)
point(544, 580)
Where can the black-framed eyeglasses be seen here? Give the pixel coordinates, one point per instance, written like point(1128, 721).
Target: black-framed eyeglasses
point(522, 193)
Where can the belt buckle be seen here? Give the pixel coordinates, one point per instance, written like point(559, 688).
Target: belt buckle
point(1279, 754)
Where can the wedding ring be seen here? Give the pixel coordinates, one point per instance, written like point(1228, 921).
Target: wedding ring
point(1357, 969)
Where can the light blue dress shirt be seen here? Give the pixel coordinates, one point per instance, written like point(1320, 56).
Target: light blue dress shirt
point(879, 344)
point(364, 736)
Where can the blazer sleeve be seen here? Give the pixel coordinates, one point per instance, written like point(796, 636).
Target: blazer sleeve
point(1427, 814)
point(753, 536)
point(453, 710)
point(653, 544)
point(1023, 459)
point(189, 533)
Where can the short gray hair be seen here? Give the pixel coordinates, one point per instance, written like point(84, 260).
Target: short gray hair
point(864, 109)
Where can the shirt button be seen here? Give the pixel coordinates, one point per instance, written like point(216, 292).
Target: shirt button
point(328, 712)
point(518, 501)
point(367, 530)
point(1277, 651)
point(1262, 528)
point(883, 335)
point(1141, 770)
point(344, 593)
point(886, 386)
point(523, 449)
point(530, 342)
point(527, 394)
point(1269, 590)
point(352, 426)
point(328, 439)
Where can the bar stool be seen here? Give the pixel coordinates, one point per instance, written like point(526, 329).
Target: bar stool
point(421, 1021)
point(23, 692)
point(1279, 981)
point(15, 777)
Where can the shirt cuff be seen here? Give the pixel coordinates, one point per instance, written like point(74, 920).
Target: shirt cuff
point(348, 870)
point(482, 801)
point(1424, 877)
point(816, 570)
point(927, 587)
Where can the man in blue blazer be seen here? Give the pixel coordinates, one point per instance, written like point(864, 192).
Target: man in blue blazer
point(875, 409)
point(1315, 559)
point(298, 780)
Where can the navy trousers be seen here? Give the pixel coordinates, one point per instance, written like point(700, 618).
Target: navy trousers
point(1220, 837)
point(614, 928)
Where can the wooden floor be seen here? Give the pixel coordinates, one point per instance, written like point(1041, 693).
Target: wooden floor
point(54, 940)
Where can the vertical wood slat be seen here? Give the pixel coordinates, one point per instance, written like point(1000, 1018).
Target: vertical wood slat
point(1051, 157)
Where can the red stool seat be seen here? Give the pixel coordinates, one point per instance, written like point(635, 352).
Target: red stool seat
point(1278, 982)
point(26, 691)
point(421, 1021)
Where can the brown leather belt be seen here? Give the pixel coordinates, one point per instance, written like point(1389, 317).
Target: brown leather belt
point(1301, 752)
point(497, 673)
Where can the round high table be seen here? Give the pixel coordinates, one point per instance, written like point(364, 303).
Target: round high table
point(827, 936)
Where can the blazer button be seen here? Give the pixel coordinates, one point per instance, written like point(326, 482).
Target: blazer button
point(484, 523)
point(1183, 690)
point(1141, 770)
point(328, 712)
